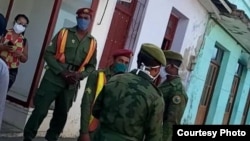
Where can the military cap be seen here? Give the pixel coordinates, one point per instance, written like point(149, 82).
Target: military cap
point(154, 51)
point(84, 11)
point(123, 52)
point(172, 55)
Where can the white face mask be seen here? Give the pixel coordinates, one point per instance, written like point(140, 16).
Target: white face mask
point(18, 28)
point(144, 69)
point(156, 76)
point(169, 73)
point(163, 74)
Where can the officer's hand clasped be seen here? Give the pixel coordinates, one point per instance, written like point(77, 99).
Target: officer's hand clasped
point(71, 77)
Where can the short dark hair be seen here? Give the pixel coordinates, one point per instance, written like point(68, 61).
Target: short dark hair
point(147, 60)
point(23, 16)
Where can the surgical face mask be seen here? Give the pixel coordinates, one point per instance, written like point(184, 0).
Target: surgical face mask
point(156, 76)
point(18, 28)
point(82, 24)
point(165, 70)
point(163, 74)
point(146, 69)
point(120, 68)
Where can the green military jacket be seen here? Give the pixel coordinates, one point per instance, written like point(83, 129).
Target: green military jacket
point(89, 96)
point(75, 52)
point(129, 108)
point(175, 98)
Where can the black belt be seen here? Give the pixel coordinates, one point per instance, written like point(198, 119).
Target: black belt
point(71, 67)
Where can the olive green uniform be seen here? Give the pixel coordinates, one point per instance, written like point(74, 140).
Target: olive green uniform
point(54, 87)
point(175, 99)
point(129, 108)
point(89, 96)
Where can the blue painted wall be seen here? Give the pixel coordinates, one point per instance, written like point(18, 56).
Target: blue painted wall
point(215, 35)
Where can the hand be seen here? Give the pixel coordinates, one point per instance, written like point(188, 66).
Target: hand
point(18, 54)
point(69, 77)
point(75, 77)
point(66, 74)
point(84, 137)
point(6, 47)
point(78, 76)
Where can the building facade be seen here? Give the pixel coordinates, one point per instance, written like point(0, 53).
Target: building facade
point(219, 84)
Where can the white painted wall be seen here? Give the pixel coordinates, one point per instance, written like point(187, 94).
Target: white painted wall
point(4, 6)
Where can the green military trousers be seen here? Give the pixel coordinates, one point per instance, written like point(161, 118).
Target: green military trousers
point(46, 94)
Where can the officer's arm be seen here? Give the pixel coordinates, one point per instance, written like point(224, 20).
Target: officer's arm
point(96, 111)
point(172, 115)
point(90, 66)
point(50, 59)
point(87, 101)
point(153, 125)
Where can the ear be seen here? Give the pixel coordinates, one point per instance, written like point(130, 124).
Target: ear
point(155, 71)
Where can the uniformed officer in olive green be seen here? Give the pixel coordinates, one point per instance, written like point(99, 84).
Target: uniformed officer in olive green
point(174, 94)
point(121, 59)
point(60, 81)
point(130, 107)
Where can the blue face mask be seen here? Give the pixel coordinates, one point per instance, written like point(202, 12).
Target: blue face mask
point(120, 68)
point(82, 24)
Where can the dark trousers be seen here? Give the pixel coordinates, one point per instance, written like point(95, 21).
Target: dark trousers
point(12, 75)
point(46, 94)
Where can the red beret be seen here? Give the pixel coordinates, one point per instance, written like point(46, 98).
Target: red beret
point(84, 11)
point(123, 52)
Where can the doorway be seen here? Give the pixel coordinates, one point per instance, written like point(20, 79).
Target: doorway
point(118, 31)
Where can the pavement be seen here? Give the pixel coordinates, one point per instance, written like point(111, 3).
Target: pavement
point(36, 139)
point(11, 133)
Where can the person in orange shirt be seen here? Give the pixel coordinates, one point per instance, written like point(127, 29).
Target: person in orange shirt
point(14, 46)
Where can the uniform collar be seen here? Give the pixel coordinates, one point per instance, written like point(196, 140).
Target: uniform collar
point(74, 30)
point(173, 82)
point(109, 72)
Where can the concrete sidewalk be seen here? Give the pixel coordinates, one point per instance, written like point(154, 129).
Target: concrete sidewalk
point(36, 139)
point(10, 133)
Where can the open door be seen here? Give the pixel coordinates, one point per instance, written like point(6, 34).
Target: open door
point(118, 31)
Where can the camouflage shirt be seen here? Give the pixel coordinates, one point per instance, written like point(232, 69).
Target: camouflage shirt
point(129, 108)
point(175, 99)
